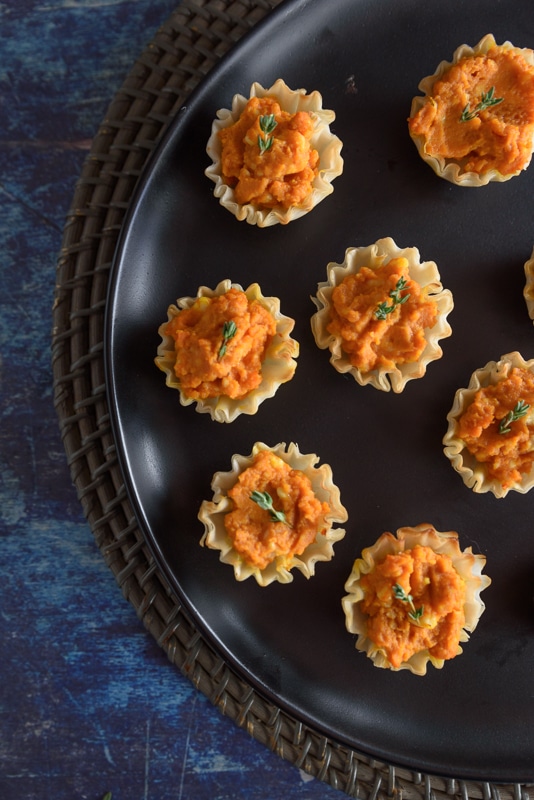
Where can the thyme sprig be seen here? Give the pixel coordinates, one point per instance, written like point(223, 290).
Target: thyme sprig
point(267, 125)
point(518, 411)
point(416, 613)
point(265, 501)
point(228, 332)
point(487, 99)
point(384, 308)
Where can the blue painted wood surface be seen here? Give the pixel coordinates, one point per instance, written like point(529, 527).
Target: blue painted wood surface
point(88, 701)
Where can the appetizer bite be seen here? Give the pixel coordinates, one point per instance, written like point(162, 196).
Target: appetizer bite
point(528, 292)
point(273, 512)
point(227, 349)
point(490, 434)
point(381, 314)
point(412, 598)
point(475, 123)
point(273, 155)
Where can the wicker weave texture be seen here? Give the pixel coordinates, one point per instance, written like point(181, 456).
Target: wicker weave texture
point(182, 52)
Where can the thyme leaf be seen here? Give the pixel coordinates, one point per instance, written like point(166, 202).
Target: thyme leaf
point(228, 332)
point(487, 99)
point(384, 308)
point(267, 125)
point(265, 501)
point(519, 410)
point(414, 614)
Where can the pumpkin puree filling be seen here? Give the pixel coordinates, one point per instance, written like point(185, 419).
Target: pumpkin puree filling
point(213, 360)
point(500, 134)
point(507, 455)
point(282, 170)
point(257, 537)
point(383, 341)
point(438, 594)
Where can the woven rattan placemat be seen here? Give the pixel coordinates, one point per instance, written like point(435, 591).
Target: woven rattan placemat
point(182, 52)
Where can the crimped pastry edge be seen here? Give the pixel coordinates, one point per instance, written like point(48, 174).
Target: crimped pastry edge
point(470, 470)
point(212, 513)
point(425, 273)
point(278, 366)
point(468, 565)
point(528, 292)
point(323, 140)
point(445, 168)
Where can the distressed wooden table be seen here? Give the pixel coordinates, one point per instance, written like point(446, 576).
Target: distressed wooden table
point(89, 701)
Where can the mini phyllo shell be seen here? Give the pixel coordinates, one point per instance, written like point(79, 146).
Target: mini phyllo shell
point(528, 292)
point(490, 435)
point(274, 511)
point(475, 122)
point(228, 349)
point(273, 155)
point(413, 598)
point(381, 313)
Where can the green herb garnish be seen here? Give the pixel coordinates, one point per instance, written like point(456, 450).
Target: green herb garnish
point(416, 613)
point(107, 796)
point(519, 410)
point(229, 330)
point(267, 125)
point(265, 501)
point(384, 309)
point(486, 101)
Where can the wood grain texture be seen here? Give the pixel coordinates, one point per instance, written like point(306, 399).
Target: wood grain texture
point(88, 701)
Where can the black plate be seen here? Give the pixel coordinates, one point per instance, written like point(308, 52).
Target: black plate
point(473, 718)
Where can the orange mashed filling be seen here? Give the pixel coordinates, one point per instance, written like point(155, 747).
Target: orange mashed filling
point(207, 364)
point(258, 538)
point(373, 343)
point(506, 456)
point(434, 586)
point(500, 137)
point(283, 174)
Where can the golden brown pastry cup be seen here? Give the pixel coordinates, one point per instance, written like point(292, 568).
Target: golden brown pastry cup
point(212, 513)
point(323, 140)
point(278, 366)
point(528, 292)
point(450, 169)
point(468, 566)
point(425, 273)
point(472, 472)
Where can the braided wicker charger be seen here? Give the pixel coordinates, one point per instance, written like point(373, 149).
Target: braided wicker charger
point(182, 52)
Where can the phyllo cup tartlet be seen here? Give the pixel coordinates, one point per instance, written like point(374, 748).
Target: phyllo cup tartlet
point(490, 434)
point(241, 366)
point(379, 334)
point(279, 158)
point(413, 598)
point(528, 292)
point(273, 512)
point(475, 122)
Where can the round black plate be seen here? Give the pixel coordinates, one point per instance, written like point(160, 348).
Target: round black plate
point(473, 718)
